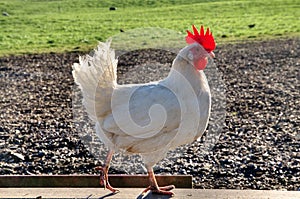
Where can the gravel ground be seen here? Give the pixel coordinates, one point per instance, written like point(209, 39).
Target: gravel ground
point(259, 145)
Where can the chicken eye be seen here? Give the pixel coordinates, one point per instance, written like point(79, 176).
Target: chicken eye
point(190, 56)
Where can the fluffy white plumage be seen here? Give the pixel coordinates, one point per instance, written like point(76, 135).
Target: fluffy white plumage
point(148, 119)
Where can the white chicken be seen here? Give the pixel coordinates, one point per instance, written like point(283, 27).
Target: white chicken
point(147, 119)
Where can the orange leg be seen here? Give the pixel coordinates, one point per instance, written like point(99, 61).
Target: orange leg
point(154, 186)
point(104, 173)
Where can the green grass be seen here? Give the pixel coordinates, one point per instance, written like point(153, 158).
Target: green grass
point(35, 26)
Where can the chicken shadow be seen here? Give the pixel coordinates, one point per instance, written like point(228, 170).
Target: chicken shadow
point(149, 195)
point(107, 195)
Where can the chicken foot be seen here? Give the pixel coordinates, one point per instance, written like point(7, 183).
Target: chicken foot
point(154, 186)
point(104, 173)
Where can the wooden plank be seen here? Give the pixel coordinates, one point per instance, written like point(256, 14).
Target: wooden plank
point(180, 181)
point(136, 193)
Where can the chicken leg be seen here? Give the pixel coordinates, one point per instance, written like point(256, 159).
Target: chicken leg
point(154, 186)
point(104, 173)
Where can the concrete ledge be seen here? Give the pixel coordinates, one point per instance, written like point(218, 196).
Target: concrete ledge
point(122, 181)
point(135, 193)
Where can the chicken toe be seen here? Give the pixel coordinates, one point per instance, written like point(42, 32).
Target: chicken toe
point(104, 179)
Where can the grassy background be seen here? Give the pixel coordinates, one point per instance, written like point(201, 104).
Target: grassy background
point(65, 25)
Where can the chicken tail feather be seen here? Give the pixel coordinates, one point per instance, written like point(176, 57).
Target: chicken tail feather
point(96, 76)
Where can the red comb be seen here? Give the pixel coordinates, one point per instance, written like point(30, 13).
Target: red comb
point(206, 40)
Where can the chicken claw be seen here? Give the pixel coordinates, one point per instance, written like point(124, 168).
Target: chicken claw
point(154, 188)
point(104, 179)
point(160, 190)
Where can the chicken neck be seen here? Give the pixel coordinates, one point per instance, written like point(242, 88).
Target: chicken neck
point(182, 67)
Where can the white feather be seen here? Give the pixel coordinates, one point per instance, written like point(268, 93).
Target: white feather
point(148, 119)
point(96, 76)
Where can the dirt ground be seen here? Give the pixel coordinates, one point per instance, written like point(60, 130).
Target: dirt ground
point(259, 145)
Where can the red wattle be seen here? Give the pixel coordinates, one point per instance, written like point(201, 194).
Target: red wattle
point(200, 64)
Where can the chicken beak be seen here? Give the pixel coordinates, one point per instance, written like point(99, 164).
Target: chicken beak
point(212, 54)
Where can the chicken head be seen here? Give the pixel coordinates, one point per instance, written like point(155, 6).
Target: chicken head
point(196, 55)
